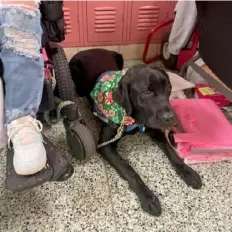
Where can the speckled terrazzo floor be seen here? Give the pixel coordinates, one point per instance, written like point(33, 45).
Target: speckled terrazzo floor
point(96, 199)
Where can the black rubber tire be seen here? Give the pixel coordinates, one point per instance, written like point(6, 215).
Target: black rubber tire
point(171, 61)
point(65, 88)
point(86, 138)
point(67, 174)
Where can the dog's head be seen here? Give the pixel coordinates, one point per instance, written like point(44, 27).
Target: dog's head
point(144, 93)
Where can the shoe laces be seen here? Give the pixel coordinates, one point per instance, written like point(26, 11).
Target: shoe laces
point(23, 134)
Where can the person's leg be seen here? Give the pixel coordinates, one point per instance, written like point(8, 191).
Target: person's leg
point(20, 34)
point(183, 26)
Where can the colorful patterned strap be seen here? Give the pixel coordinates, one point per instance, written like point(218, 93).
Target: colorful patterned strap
point(105, 107)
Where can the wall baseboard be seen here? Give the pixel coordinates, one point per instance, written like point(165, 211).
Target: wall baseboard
point(129, 52)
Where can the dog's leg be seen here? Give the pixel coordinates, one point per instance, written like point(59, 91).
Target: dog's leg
point(189, 176)
point(149, 202)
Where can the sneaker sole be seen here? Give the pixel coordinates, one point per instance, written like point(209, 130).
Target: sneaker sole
point(27, 172)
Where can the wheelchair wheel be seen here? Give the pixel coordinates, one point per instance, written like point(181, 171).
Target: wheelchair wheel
point(81, 141)
point(169, 60)
point(65, 88)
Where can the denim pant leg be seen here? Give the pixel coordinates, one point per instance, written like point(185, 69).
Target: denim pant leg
point(20, 36)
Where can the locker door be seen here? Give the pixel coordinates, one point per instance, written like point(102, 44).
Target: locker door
point(145, 15)
point(72, 32)
point(170, 14)
point(105, 21)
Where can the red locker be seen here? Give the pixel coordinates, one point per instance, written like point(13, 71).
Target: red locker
point(105, 22)
point(171, 7)
point(113, 22)
point(144, 16)
point(170, 14)
point(72, 30)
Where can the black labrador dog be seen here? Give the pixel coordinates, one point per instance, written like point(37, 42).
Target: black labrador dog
point(144, 93)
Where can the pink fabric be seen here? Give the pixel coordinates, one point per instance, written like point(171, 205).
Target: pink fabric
point(47, 70)
point(44, 54)
point(205, 127)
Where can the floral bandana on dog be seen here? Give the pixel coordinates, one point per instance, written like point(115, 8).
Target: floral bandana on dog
point(105, 107)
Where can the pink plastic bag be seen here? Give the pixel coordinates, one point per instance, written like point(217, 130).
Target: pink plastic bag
point(207, 133)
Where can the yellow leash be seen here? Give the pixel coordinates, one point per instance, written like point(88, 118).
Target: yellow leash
point(117, 136)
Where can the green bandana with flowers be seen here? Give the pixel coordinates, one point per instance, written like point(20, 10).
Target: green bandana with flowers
point(102, 95)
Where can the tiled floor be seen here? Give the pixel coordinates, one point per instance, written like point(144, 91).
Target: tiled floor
point(97, 199)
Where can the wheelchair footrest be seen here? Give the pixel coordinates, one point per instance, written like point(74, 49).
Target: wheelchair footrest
point(60, 162)
point(57, 164)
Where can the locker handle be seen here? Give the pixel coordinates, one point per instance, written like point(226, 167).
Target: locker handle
point(166, 14)
point(78, 18)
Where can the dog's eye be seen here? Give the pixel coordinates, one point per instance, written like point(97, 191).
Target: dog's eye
point(146, 92)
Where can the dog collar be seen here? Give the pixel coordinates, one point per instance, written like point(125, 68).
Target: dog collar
point(134, 126)
point(127, 128)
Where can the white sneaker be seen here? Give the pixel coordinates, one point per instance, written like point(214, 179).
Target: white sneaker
point(29, 152)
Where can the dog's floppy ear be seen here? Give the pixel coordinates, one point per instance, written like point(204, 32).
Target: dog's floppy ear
point(121, 95)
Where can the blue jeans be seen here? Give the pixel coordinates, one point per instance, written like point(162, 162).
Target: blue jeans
point(20, 37)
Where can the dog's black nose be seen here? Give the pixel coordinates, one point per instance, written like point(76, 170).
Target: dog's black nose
point(168, 116)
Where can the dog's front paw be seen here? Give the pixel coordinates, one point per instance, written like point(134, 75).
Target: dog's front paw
point(150, 203)
point(190, 177)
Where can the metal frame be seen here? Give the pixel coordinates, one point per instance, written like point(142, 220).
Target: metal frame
point(213, 82)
